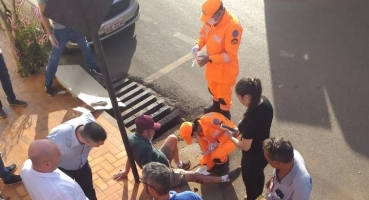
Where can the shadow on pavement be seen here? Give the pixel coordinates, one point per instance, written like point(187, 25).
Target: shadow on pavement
point(318, 58)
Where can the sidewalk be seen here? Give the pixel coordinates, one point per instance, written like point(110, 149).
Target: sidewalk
point(23, 125)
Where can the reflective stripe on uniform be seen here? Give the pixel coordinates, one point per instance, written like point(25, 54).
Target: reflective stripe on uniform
point(226, 57)
point(217, 38)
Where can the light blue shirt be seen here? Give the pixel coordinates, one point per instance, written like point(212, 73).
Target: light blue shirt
point(73, 154)
point(186, 195)
point(296, 185)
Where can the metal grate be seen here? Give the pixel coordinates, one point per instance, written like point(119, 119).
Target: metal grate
point(141, 100)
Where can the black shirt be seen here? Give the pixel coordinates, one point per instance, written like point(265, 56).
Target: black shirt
point(256, 126)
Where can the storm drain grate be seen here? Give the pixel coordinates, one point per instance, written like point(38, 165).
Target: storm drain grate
point(141, 100)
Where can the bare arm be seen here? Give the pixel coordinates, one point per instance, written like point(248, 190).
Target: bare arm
point(244, 144)
point(123, 173)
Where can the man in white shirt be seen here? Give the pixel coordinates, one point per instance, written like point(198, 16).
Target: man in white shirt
point(42, 178)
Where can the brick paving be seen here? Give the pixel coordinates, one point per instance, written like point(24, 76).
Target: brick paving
point(25, 124)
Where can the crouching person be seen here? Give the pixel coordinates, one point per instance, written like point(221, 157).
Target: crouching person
point(214, 143)
point(144, 152)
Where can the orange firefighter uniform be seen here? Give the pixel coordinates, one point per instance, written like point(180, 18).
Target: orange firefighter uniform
point(214, 143)
point(222, 42)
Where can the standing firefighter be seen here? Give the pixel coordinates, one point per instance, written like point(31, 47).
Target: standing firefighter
point(221, 33)
point(214, 143)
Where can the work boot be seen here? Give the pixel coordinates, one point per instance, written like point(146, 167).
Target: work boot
point(226, 114)
point(220, 169)
point(215, 107)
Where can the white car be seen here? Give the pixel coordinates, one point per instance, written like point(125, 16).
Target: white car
point(122, 14)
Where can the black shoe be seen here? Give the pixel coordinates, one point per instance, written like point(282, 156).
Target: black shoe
point(14, 179)
point(220, 169)
point(186, 165)
point(233, 175)
point(215, 107)
point(17, 102)
point(2, 113)
point(11, 168)
point(226, 114)
point(96, 71)
point(49, 90)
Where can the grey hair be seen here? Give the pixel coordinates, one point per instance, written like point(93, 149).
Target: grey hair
point(157, 175)
point(279, 149)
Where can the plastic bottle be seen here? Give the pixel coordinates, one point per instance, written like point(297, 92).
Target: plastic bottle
point(62, 92)
point(195, 57)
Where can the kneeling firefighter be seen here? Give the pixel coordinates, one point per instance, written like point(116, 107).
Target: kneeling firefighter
point(214, 143)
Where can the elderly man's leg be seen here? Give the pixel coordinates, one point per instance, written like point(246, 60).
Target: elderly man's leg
point(191, 176)
point(170, 150)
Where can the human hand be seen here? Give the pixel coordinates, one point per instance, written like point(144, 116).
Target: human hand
point(228, 133)
point(53, 41)
point(195, 49)
point(120, 175)
point(202, 60)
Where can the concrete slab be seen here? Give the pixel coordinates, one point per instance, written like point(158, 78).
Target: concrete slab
point(80, 84)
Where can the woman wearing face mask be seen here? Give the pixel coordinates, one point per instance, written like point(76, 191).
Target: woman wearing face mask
point(255, 128)
point(221, 34)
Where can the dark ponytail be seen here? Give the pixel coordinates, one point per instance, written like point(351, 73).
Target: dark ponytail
point(250, 87)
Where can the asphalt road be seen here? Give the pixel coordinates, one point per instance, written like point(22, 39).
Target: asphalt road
point(310, 56)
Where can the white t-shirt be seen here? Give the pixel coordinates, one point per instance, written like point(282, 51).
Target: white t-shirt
point(55, 185)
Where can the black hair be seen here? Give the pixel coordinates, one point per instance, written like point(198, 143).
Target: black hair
point(157, 176)
point(279, 149)
point(252, 87)
point(195, 124)
point(94, 132)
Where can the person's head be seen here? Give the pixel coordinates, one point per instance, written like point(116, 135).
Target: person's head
point(249, 92)
point(156, 179)
point(278, 151)
point(45, 155)
point(212, 11)
point(146, 126)
point(92, 134)
point(190, 131)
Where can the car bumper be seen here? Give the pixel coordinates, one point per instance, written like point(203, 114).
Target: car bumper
point(132, 14)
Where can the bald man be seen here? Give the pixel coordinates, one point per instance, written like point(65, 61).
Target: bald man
point(43, 179)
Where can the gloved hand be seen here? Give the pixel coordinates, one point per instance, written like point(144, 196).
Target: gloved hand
point(195, 50)
point(203, 170)
point(53, 41)
point(212, 146)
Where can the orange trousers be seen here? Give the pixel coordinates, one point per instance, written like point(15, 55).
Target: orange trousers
point(222, 92)
point(221, 153)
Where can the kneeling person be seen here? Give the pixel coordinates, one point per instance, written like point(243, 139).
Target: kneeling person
point(144, 152)
point(214, 143)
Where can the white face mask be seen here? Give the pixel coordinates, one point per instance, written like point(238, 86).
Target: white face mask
point(212, 21)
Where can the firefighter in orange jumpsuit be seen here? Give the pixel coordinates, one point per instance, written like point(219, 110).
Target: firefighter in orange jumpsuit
point(221, 34)
point(214, 143)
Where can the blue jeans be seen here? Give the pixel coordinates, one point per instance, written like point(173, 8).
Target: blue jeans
point(5, 80)
point(63, 36)
point(4, 172)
